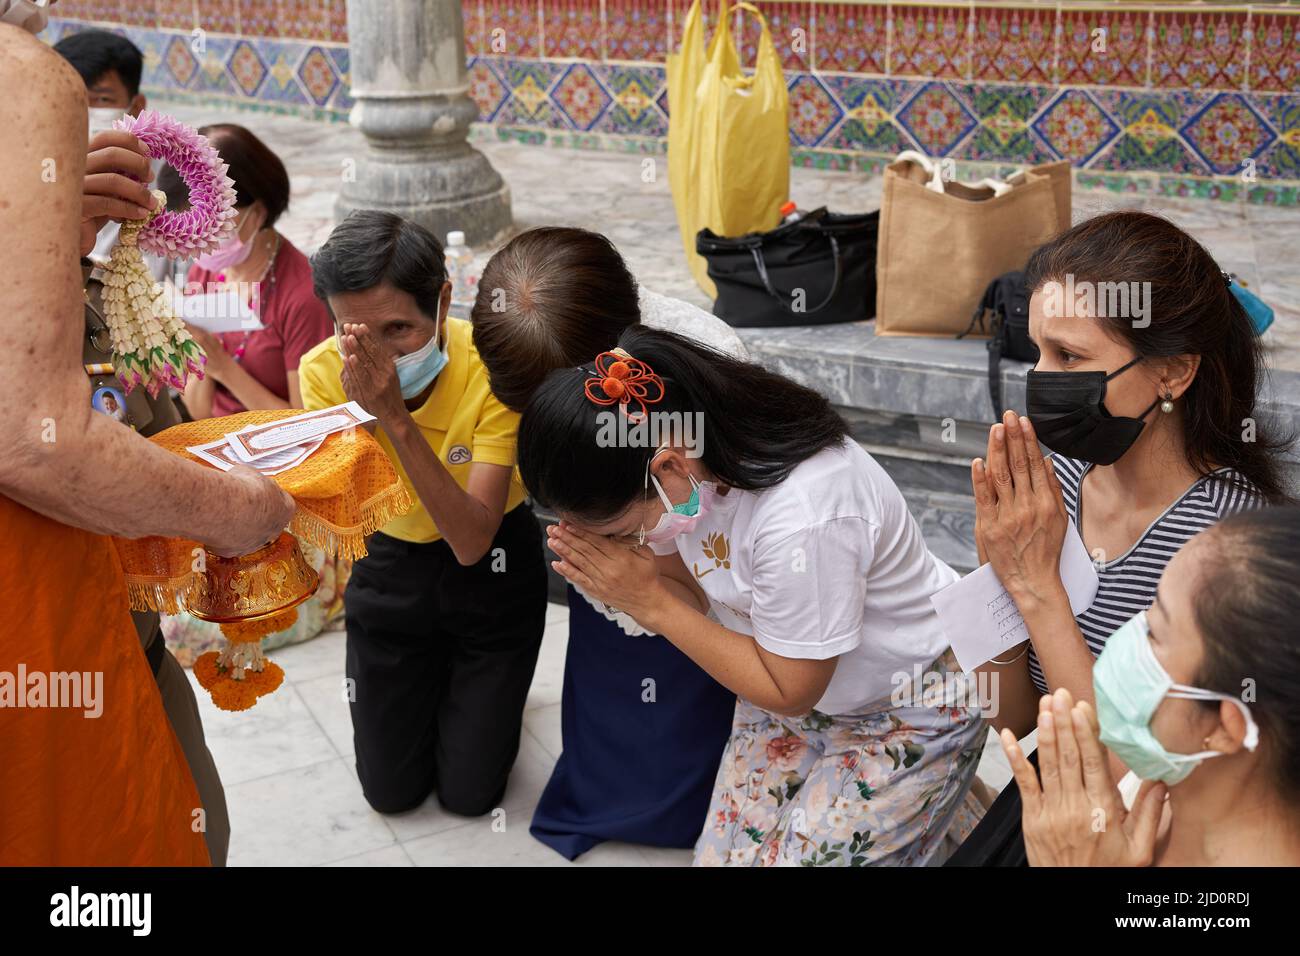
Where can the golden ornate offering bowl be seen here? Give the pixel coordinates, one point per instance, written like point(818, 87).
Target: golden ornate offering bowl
point(271, 580)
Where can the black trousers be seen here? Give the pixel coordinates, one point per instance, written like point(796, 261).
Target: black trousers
point(999, 838)
point(441, 657)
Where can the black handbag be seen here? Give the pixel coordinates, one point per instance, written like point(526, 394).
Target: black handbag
point(1006, 300)
point(814, 271)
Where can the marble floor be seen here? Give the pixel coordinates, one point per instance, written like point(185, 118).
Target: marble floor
point(288, 764)
point(294, 800)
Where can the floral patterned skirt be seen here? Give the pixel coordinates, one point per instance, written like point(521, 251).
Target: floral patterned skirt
point(880, 787)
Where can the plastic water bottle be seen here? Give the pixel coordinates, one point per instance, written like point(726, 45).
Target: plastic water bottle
point(460, 270)
point(790, 213)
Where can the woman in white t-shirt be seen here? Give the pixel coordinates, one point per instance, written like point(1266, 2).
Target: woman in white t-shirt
point(852, 742)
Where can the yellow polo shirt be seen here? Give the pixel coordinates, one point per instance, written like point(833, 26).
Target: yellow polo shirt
point(462, 421)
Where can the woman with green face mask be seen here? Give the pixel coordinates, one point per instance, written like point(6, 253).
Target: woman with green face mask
point(1200, 698)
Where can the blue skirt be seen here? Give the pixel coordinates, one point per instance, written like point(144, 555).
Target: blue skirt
point(643, 729)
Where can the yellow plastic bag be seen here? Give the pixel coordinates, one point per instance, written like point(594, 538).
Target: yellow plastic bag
point(728, 135)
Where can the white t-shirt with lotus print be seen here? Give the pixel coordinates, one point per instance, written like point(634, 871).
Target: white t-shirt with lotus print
point(829, 563)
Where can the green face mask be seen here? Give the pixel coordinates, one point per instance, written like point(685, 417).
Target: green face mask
point(1129, 684)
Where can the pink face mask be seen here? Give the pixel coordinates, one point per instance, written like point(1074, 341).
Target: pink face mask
point(677, 519)
point(232, 252)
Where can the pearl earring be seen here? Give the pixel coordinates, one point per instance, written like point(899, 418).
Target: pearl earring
point(1167, 405)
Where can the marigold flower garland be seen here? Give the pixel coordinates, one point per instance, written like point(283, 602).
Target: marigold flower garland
point(240, 673)
point(151, 346)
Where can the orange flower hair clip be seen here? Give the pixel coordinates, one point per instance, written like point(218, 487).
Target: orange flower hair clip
point(621, 379)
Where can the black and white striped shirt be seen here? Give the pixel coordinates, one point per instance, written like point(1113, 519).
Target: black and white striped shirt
point(1128, 584)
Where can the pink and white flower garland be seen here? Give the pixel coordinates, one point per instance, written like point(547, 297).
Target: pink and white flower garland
point(151, 346)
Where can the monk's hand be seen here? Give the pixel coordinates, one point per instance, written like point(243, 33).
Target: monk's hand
point(259, 510)
point(1075, 816)
point(622, 578)
point(1020, 516)
point(116, 186)
point(370, 377)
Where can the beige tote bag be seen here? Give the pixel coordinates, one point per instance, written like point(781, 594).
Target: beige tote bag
point(941, 243)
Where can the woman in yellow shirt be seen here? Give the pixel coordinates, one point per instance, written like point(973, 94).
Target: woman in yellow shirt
point(445, 614)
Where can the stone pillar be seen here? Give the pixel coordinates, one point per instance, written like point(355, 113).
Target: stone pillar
point(412, 103)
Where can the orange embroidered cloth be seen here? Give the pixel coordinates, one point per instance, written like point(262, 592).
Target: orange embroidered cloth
point(90, 771)
point(345, 490)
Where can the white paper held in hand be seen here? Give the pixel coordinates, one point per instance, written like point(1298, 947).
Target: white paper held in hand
point(980, 617)
point(217, 312)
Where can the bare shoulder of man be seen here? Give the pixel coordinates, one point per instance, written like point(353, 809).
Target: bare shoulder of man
point(44, 81)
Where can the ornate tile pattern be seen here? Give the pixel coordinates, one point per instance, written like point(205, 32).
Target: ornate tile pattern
point(572, 28)
point(1282, 159)
point(317, 77)
point(486, 89)
point(1005, 133)
point(511, 27)
point(219, 16)
point(282, 61)
point(342, 61)
point(813, 111)
point(791, 27)
point(304, 19)
point(530, 103)
point(259, 18)
point(213, 77)
point(1014, 45)
point(635, 91)
point(1075, 127)
point(1275, 52)
point(677, 10)
point(636, 30)
point(473, 14)
point(339, 21)
point(180, 61)
point(1103, 46)
point(247, 68)
point(936, 119)
point(173, 14)
point(580, 96)
point(929, 42)
point(1149, 137)
point(1227, 132)
point(869, 106)
point(1198, 50)
point(851, 37)
point(153, 45)
point(137, 13)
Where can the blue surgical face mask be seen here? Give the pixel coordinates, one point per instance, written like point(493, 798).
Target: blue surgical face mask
point(417, 369)
point(1130, 683)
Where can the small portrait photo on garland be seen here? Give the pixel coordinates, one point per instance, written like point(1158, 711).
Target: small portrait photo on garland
point(110, 401)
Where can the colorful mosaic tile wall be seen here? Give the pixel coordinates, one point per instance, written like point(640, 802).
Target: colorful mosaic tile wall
point(1188, 100)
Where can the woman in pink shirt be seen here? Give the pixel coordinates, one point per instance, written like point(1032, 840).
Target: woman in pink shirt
point(258, 368)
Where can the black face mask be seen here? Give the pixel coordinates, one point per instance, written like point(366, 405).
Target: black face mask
point(1069, 415)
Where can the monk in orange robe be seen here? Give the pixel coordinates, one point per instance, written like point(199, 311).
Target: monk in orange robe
point(90, 770)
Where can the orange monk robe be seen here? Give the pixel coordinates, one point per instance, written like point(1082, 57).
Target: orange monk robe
point(112, 790)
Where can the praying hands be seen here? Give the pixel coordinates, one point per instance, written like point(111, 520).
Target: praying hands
point(1073, 815)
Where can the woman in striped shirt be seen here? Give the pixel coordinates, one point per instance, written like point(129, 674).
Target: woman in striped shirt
point(1145, 391)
